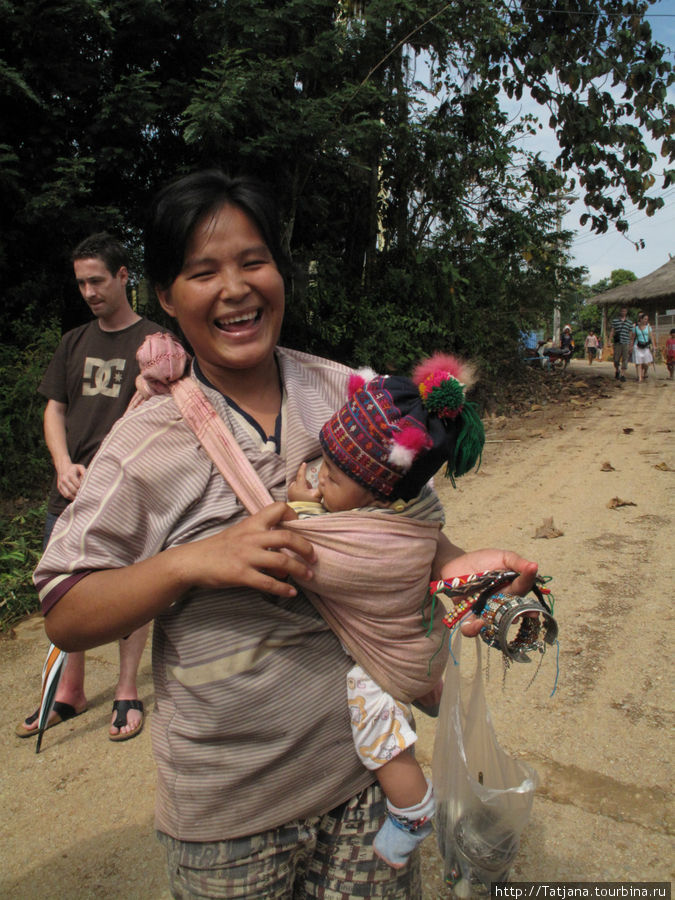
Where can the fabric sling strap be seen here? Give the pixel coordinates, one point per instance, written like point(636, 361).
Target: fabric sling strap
point(372, 570)
point(163, 361)
point(218, 441)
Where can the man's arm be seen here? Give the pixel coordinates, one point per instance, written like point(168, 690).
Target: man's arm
point(68, 474)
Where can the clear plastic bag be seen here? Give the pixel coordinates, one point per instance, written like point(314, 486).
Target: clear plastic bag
point(483, 795)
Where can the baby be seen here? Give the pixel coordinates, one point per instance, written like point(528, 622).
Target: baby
point(379, 451)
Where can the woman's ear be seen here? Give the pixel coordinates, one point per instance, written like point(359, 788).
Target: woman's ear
point(164, 297)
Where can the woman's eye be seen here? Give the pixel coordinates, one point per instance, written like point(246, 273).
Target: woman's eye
point(204, 273)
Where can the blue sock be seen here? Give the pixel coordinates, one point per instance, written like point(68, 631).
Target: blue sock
point(404, 829)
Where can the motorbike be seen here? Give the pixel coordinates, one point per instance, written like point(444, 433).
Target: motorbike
point(558, 357)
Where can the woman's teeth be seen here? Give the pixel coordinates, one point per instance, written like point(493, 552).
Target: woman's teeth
point(234, 324)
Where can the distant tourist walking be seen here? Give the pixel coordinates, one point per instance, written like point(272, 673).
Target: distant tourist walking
point(591, 346)
point(621, 335)
point(642, 346)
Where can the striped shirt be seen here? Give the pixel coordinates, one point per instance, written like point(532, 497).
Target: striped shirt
point(622, 328)
point(251, 727)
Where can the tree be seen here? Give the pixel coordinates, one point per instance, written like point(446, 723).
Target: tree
point(617, 277)
point(92, 98)
point(412, 211)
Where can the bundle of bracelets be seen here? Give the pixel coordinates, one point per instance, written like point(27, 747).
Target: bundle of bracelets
point(479, 594)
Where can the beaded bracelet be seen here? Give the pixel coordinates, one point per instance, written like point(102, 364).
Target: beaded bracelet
point(480, 595)
point(502, 610)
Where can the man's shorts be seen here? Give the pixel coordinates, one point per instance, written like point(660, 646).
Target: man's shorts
point(621, 354)
point(327, 857)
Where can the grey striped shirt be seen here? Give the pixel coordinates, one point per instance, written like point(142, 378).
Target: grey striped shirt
point(251, 728)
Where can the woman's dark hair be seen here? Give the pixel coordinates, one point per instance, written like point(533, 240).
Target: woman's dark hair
point(180, 206)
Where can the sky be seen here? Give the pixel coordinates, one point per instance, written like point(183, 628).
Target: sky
point(603, 253)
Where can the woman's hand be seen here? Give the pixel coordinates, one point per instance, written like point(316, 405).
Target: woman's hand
point(486, 560)
point(255, 553)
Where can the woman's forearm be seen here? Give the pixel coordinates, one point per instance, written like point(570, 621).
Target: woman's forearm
point(110, 604)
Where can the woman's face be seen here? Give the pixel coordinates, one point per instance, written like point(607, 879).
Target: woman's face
point(229, 296)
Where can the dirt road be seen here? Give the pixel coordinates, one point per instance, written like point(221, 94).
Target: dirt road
point(76, 821)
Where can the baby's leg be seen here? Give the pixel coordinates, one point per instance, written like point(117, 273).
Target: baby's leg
point(410, 808)
point(403, 780)
point(383, 736)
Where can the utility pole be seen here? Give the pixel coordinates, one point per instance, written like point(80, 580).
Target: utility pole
point(556, 307)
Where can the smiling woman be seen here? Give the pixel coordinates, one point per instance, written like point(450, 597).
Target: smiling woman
point(260, 793)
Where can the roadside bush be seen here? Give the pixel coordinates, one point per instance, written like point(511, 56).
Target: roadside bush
point(26, 466)
point(19, 553)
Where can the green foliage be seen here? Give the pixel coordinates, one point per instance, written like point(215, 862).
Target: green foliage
point(616, 279)
point(414, 212)
point(19, 554)
point(26, 465)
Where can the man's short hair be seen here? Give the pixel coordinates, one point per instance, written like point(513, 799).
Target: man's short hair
point(105, 247)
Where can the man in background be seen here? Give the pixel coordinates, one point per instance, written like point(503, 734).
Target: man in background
point(620, 334)
point(88, 385)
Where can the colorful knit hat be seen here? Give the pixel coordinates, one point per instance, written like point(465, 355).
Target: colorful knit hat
point(395, 433)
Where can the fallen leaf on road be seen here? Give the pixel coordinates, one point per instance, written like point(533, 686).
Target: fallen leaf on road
point(607, 467)
point(615, 502)
point(663, 467)
point(548, 530)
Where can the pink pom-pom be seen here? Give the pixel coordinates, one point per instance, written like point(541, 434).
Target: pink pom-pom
point(438, 366)
point(406, 445)
point(413, 438)
point(356, 382)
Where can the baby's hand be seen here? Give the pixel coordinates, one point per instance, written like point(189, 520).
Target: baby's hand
point(301, 489)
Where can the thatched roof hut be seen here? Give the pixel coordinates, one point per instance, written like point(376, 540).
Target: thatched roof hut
point(653, 292)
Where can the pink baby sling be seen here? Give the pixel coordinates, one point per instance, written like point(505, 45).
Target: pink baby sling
point(371, 578)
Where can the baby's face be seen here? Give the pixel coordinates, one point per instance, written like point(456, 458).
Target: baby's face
point(338, 491)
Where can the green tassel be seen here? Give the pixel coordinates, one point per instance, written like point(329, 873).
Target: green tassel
point(446, 396)
point(468, 450)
